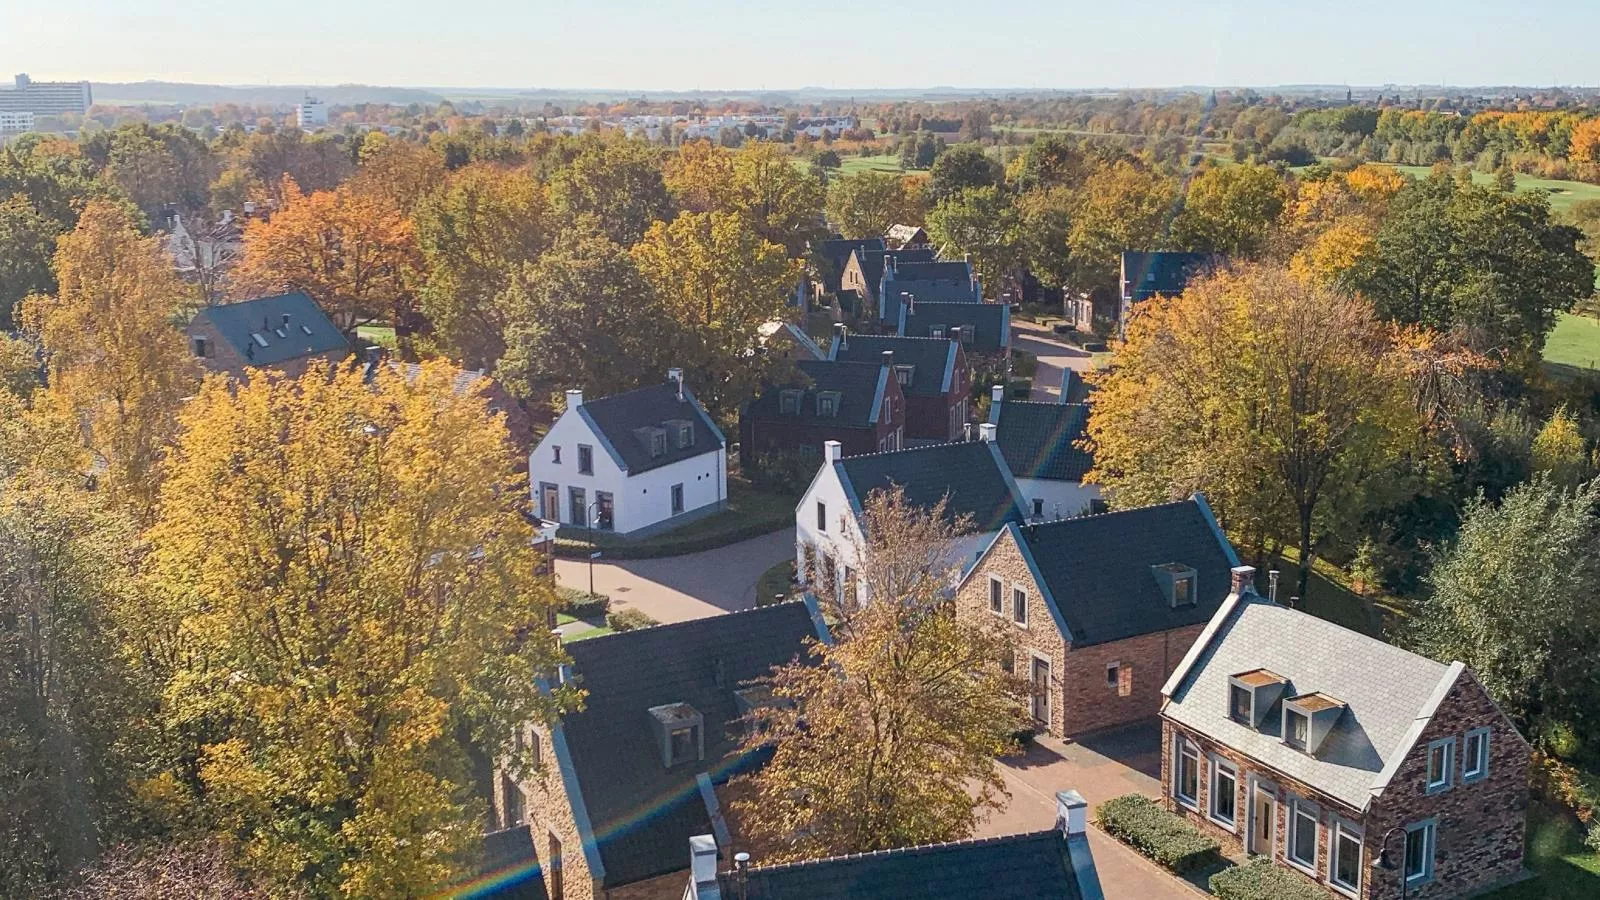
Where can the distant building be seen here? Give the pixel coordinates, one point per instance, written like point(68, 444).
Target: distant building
point(15, 122)
point(46, 98)
point(311, 113)
point(902, 237)
point(1150, 274)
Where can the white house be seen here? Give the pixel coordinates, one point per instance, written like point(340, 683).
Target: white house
point(635, 463)
point(828, 520)
point(1042, 444)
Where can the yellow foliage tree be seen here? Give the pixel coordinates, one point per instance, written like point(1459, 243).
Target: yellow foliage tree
point(700, 177)
point(1585, 146)
point(1375, 183)
point(342, 590)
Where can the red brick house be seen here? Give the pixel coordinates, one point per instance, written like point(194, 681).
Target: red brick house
point(1101, 608)
point(858, 404)
point(1350, 761)
point(932, 374)
point(284, 333)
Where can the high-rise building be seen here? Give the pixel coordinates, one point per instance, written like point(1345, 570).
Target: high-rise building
point(311, 113)
point(15, 122)
point(46, 98)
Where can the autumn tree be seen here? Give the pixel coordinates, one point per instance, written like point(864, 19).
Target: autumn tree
point(115, 359)
point(700, 177)
point(402, 172)
point(1561, 451)
point(619, 184)
point(864, 205)
point(354, 254)
point(961, 168)
point(718, 282)
point(1286, 403)
point(1231, 209)
point(343, 599)
point(1123, 206)
point(782, 203)
point(887, 738)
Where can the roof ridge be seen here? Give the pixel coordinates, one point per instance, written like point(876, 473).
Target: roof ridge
point(1255, 599)
point(908, 450)
point(902, 337)
point(1050, 403)
point(907, 851)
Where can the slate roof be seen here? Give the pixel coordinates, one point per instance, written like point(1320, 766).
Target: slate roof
point(971, 473)
point(860, 386)
point(926, 290)
point(990, 322)
point(309, 330)
point(904, 234)
point(933, 361)
point(617, 420)
point(641, 813)
point(1389, 693)
point(1032, 866)
point(837, 250)
point(871, 262)
point(934, 270)
point(1096, 570)
point(510, 861)
point(1040, 440)
point(1147, 273)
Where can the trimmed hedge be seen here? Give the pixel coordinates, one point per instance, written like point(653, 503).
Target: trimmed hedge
point(582, 604)
point(1164, 837)
point(670, 544)
point(629, 619)
point(1259, 879)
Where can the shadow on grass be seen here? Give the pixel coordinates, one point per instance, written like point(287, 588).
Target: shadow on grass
point(1565, 868)
point(1327, 599)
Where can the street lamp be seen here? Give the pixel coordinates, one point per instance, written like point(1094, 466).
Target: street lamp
point(589, 513)
point(1386, 861)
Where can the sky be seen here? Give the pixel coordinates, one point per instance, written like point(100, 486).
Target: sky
point(762, 44)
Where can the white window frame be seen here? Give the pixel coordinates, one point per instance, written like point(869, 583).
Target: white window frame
point(1314, 812)
point(1470, 776)
point(1430, 842)
point(1218, 766)
point(1344, 830)
point(1019, 592)
point(997, 596)
point(1446, 769)
point(1186, 749)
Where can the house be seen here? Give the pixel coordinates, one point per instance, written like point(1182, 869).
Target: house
point(1102, 608)
point(863, 273)
point(858, 404)
point(510, 867)
point(786, 340)
point(618, 788)
point(1095, 311)
point(941, 281)
point(519, 426)
point(1055, 864)
point(828, 525)
point(1370, 770)
point(635, 463)
point(1043, 445)
point(831, 256)
point(982, 328)
point(932, 373)
point(286, 333)
point(1146, 274)
point(900, 237)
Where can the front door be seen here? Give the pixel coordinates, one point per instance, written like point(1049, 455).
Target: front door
point(1264, 820)
point(549, 502)
point(1041, 692)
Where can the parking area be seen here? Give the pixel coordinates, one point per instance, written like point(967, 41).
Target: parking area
point(680, 588)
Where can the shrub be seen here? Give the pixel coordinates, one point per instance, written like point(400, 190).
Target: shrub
point(1261, 880)
point(582, 604)
point(629, 620)
point(1164, 837)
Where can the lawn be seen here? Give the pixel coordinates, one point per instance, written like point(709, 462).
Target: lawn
point(1566, 870)
point(850, 165)
point(382, 335)
point(778, 580)
point(1562, 193)
point(750, 512)
point(1327, 596)
point(1574, 343)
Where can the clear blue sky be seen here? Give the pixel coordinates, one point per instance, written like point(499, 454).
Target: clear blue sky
point(707, 44)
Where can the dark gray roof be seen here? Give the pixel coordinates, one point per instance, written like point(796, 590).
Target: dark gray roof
point(931, 360)
point(1147, 273)
point(837, 250)
point(924, 292)
point(860, 387)
point(988, 320)
point(309, 330)
point(1097, 574)
point(934, 270)
point(1041, 440)
point(622, 421)
point(643, 814)
point(512, 866)
point(872, 264)
point(1034, 866)
point(971, 473)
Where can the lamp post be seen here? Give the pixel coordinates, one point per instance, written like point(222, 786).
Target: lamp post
point(1386, 861)
point(589, 512)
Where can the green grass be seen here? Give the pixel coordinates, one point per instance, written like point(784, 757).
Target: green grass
point(777, 580)
point(1562, 194)
point(1327, 595)
point(851, 165)
point(1566, 869)
point(585, 635)
point(750, 513)
point(1574, 343)
point(382, 335)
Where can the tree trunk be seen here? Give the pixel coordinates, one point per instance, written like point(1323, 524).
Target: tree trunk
point(1305, 555)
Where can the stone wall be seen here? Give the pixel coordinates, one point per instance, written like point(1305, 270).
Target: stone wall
point(548, 810)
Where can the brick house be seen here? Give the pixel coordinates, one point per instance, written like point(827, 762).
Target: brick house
point(1350, 761)
point(287, 333)
point(863, 274)
point(617, 789)
point(829, 257)
point(1101, 608)
point(932, 281)
point(858, 404)
point(932, 373)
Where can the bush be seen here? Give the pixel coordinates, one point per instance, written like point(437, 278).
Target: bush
point(582, 604)
point(1261, 880)
point(629, 620)
point(1164, 837)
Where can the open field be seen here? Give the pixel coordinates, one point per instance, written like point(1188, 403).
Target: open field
point(1574, 343)
point(1562, 193)
point(885, 163)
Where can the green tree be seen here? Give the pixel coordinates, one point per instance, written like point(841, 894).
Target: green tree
point(1124, 206)
point(864, 205)
point(960, 168)
point(619, 184)
point(1231, 209)
point(983, 223)
point(1561, 451)
point(27, 242)
point(1045, 216)
point(782, 204)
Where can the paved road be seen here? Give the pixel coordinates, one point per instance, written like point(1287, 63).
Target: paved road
point(1053, 356)
point(679, 588)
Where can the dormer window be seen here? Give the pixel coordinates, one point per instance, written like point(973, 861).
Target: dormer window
point(789, 402)
point(1296, 728)
point(1308, 720)
point(1239, 703)
point(937, 331)
point(903, 374)
point(680, 730)
point(658, 442)
point(1252, 694)
point(685, 434)
point(1177, 582)
point(828, 404)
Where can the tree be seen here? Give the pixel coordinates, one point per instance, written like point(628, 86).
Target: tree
point(342, 599)
point(1584, 148)
point(476, 234)
point(983, 223)
point(718, 283)
point(782, 204)
point(1560, 450)
point(865, 204)
point(1124, 206)
point(887, 738)
point(960, 168)
point(1231, 209)
point(1045, 223)
point(114, 359)
point(1287, 404)
point(354, 254)
point(700, 177)
point(27, 242)
point(402, 172)
point(1513, 598)
point(620, 184)
point(193, 870)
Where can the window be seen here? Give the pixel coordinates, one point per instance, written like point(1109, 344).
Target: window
point(585, 460)
point(686, 434)
point(827, 405)
point(937, 331)
point(997, 596)
point(199, 345)
point(1345, 868)
point(1420, 844)
point(1113, 675)
point(1296, 728)
point(683, 745)
point(1183, 591)
point(552, 878)
point(512, 802)
point(1224, 792)
point(603, 510)
point(822, 516)
point(1303, 834)
point(1441, 754)
point(677, 499)
point(577, 507)
point(1019, 606)
point(259, 338)
point(1475, 755)
point(789, 403)
point(1239, 703)
point(1038, 507)
point(902, 374)
point(1187, 783)
point(555, 454)
point(658, 442)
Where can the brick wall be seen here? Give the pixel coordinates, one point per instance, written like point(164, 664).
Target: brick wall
point(549, 811)
point(221, 357)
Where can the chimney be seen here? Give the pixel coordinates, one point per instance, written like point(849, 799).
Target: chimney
point(285, 321)
point(997, 394)
point(1244, 579)
point(842, 332)
point(741, 875)
point(986, 432)
point(374, 353)
point(910, 303)
point(703, 862)
point(675, 377)
point(888, 358)
point(1272, 585)
point(574, 399)
point(832, 450)
point(1072, 814)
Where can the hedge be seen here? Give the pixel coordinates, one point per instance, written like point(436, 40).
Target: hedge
point(1261, 880)
point(582, 604)
point(1147, 827)
point(671, 544)
point(629, 620)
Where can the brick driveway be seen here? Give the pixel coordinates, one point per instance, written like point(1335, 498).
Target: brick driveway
point(679, 588)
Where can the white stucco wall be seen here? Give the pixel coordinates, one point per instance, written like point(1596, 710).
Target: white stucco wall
point(1062, 499)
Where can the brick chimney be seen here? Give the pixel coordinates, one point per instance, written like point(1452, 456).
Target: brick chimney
point(1244, 580)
